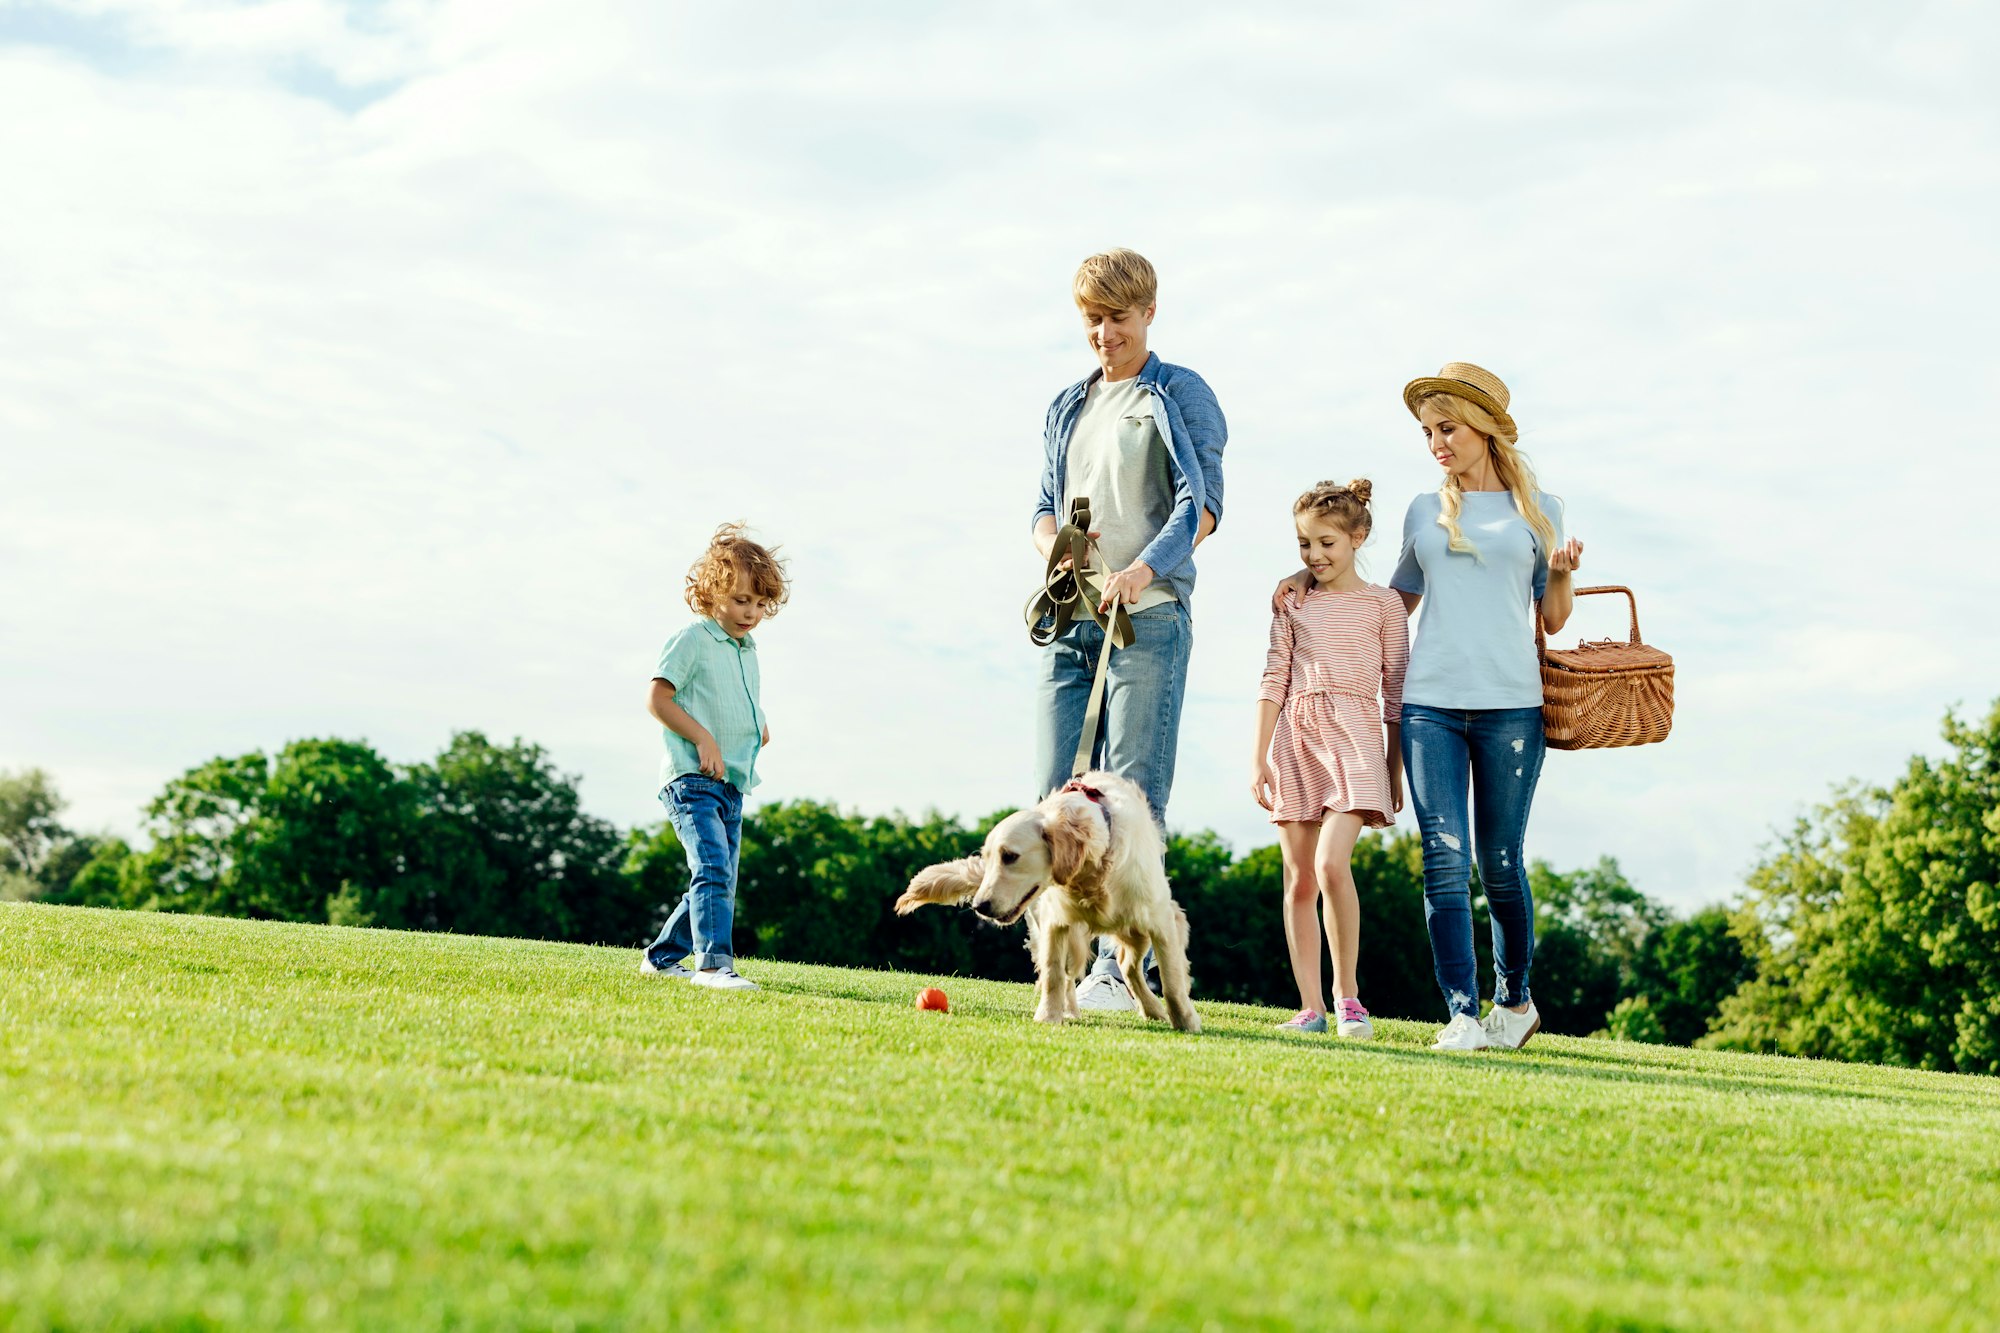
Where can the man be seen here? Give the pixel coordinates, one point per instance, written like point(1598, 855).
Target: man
point(1143, 441)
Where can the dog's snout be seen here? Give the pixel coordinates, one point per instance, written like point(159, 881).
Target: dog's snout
point(984, 907)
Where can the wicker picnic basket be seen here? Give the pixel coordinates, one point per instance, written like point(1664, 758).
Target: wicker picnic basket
point(1604, 694)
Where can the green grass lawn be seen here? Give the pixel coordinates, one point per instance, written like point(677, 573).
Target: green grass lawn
point(209, 1123)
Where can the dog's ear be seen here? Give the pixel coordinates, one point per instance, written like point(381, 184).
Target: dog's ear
point(1075, 839)
point(951, 882)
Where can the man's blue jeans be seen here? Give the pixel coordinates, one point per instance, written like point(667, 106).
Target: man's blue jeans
point(1499, 750)
point(707, 816)
point(1139, 729)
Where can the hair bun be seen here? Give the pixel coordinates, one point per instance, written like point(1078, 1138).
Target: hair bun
point(1361, 488)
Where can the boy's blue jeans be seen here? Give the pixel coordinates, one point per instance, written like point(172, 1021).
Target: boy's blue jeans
point(707, 816)
point(1140, 724)
point(1500, 751)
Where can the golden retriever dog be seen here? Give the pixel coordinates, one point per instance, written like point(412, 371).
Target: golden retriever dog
point(1087, 861)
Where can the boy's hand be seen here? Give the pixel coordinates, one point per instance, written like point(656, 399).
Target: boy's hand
point(765, 739)
point(709, 755)
point(1264, 784)
point(1291, 591)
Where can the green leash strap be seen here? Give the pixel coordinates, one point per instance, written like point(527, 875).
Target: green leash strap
point(1074, 580)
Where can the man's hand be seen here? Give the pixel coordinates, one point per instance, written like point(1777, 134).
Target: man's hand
point(709, 755)
point(1126, 585)
point(1045, 541)
point(1291, 591)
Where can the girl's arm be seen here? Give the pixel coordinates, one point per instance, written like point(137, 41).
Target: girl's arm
point(1395, 666)
point(660, 703)
point(1264, 782)
point(1271, 692)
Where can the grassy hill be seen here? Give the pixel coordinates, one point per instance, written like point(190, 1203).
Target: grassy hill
point(209, 1123)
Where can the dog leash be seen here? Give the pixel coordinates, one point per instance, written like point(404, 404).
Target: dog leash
point(1065, 588)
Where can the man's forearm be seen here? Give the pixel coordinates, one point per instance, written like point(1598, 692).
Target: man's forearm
point(1205, 526)
point(1045, 534)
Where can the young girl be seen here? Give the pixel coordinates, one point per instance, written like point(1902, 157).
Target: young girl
point(1322, 769)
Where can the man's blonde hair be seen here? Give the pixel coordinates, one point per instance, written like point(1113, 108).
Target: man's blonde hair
point(1116, 280)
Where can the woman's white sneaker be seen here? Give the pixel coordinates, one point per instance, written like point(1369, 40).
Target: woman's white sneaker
point(1463, 1033)
point(1506, 1028)
point(723, 978)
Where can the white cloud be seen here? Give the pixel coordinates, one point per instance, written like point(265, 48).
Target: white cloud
point(403, 417)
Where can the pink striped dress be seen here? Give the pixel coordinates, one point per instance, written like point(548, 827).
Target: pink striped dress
point(1330, 658)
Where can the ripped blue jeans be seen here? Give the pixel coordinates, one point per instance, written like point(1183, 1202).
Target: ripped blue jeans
point(1497, 752)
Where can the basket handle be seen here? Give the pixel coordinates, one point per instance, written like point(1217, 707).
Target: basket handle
point(1585, 592)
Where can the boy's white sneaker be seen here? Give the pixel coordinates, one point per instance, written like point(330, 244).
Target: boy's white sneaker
point(672, 971)
point(1506, 1028)
point(723, 978)
point(1463, 1033)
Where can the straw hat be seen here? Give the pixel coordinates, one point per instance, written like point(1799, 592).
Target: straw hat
point(1469, 382)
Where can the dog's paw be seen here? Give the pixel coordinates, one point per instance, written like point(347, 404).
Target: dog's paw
point(1191, 1024)
point(1051, 1016)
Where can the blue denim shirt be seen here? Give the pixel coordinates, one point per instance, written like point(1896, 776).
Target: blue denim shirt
point(1190, 421)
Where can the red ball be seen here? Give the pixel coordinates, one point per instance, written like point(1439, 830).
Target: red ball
point(930, 997)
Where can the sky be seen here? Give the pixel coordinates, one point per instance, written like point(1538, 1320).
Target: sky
point(376, 370)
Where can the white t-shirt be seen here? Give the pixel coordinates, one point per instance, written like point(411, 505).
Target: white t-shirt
point(1117, 458)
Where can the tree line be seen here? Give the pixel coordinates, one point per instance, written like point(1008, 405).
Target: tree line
point(1871, 931)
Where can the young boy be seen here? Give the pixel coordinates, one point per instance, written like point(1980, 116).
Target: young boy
point(705, 694)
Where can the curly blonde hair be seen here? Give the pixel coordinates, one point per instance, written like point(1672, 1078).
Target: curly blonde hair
point(1509, 464)
point(713, 577)
point(1346, 506)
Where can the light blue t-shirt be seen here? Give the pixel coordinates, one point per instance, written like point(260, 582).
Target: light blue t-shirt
point(1475, 644)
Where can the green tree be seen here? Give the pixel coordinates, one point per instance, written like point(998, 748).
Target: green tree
point(1591, 928)
point(275, 838)
point(1687, 968)
point(503, 847)
point(30, 831)
point(1874, 927)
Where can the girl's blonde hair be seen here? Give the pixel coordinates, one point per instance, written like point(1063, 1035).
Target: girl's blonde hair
point(1509, 463)
point(1346, 506)
point(713, 577)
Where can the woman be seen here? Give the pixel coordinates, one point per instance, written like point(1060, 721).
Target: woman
point(1488, 549)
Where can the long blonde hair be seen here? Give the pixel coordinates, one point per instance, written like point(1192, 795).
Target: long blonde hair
point(1509, 463)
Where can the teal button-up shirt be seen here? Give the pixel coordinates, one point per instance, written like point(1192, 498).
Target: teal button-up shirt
point(715, 678)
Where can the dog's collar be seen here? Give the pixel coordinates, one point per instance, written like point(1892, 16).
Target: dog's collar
point(1078, 784)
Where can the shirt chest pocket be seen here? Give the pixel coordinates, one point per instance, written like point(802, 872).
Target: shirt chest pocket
point(1137, 432)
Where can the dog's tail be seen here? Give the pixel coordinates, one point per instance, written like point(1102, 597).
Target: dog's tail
point(951, 882)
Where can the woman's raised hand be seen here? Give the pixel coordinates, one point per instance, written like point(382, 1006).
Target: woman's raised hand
point(1291, 591)
point(1568, 558)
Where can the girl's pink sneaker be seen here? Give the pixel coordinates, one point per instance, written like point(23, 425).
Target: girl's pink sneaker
point(1354, 1021)
point(1305, 1020)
